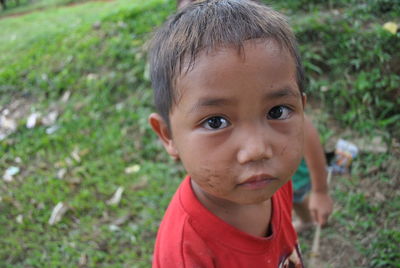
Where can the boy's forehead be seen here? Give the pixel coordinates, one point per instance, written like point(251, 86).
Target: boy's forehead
point(210, 64)
point(190, 57)
point(202, 57)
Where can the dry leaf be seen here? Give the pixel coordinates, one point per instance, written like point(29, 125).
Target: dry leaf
point(75, 155)
point(132, 169)
point(7, 126)
point(91, 76)
point(10, 173)
point(116, 198)
point(83, 260)
point(61, 173)
point(52, 129)
point(113, 228)
point(20, 219)
point(391, 27)
point(33, 120)
point(66, 96)
point(50, 118)
point(58, 212)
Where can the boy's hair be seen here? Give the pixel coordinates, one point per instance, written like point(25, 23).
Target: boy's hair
point(207, 25)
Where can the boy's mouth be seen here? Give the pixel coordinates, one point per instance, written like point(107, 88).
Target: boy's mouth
point(258, 181)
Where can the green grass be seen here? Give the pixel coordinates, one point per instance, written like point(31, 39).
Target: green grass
point(95, 52)
point(101, 67)
point(27, 6)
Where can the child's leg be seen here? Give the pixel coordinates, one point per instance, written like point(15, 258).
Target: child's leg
point(302, 211)
point(300, 206)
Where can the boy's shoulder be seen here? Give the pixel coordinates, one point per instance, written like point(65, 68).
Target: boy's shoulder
point(191, 236)
point(178, 244)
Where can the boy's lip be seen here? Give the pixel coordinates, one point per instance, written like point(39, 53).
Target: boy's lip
point(258, 181)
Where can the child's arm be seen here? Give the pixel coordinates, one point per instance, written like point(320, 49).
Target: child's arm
point(320, 204)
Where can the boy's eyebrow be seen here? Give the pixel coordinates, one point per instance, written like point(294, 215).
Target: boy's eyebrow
point(283, 92)
point(212, 102)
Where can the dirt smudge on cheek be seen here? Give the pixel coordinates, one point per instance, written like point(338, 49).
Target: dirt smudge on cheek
point(283, 150)
point(212, 179)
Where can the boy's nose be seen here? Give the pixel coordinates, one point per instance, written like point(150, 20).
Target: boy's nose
point(254, 147)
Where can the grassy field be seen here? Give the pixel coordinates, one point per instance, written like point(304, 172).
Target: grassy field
point(81, 66)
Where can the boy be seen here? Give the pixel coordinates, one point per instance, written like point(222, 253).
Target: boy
point(311, 200)
point(228, 87)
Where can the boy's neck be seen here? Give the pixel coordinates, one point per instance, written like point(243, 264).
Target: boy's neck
point(253, 219)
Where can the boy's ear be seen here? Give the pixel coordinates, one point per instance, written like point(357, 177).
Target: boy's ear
point(304, 99)
point(160, 127)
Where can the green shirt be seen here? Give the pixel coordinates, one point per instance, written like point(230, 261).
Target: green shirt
point(302, 176)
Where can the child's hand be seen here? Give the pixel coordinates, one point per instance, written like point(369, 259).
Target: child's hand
point(321, 206)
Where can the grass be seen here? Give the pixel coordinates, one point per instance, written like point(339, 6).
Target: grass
point(104, 121)
point(94, 52)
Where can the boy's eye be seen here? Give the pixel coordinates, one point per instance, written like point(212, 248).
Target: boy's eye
point(279, 112)
point(215, 122)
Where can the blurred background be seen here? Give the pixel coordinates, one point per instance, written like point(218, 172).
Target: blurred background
point(83, 180)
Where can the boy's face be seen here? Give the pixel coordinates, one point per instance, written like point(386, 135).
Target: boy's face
point(237, 125)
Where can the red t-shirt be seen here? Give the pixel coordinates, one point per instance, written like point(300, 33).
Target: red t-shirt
point(191, 236)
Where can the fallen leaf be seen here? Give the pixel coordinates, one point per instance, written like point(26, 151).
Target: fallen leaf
point(58, 212)
point(324, 88)
point(91, 77)
point(75, 155)
point(66, 96)
point(7, 126)
point(119, 106)
point(113, 227)
point(116, 198)
point(50, 118)
point(20, 219)
point(8, 123)
point(391, 27)
point(132, 169)
point(83, 260)
point(33, 120)
point(61, 173)
point(52, 129)
point(10, 173)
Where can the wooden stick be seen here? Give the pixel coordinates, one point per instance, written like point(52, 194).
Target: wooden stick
point(315, 246)
point(329, 175)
